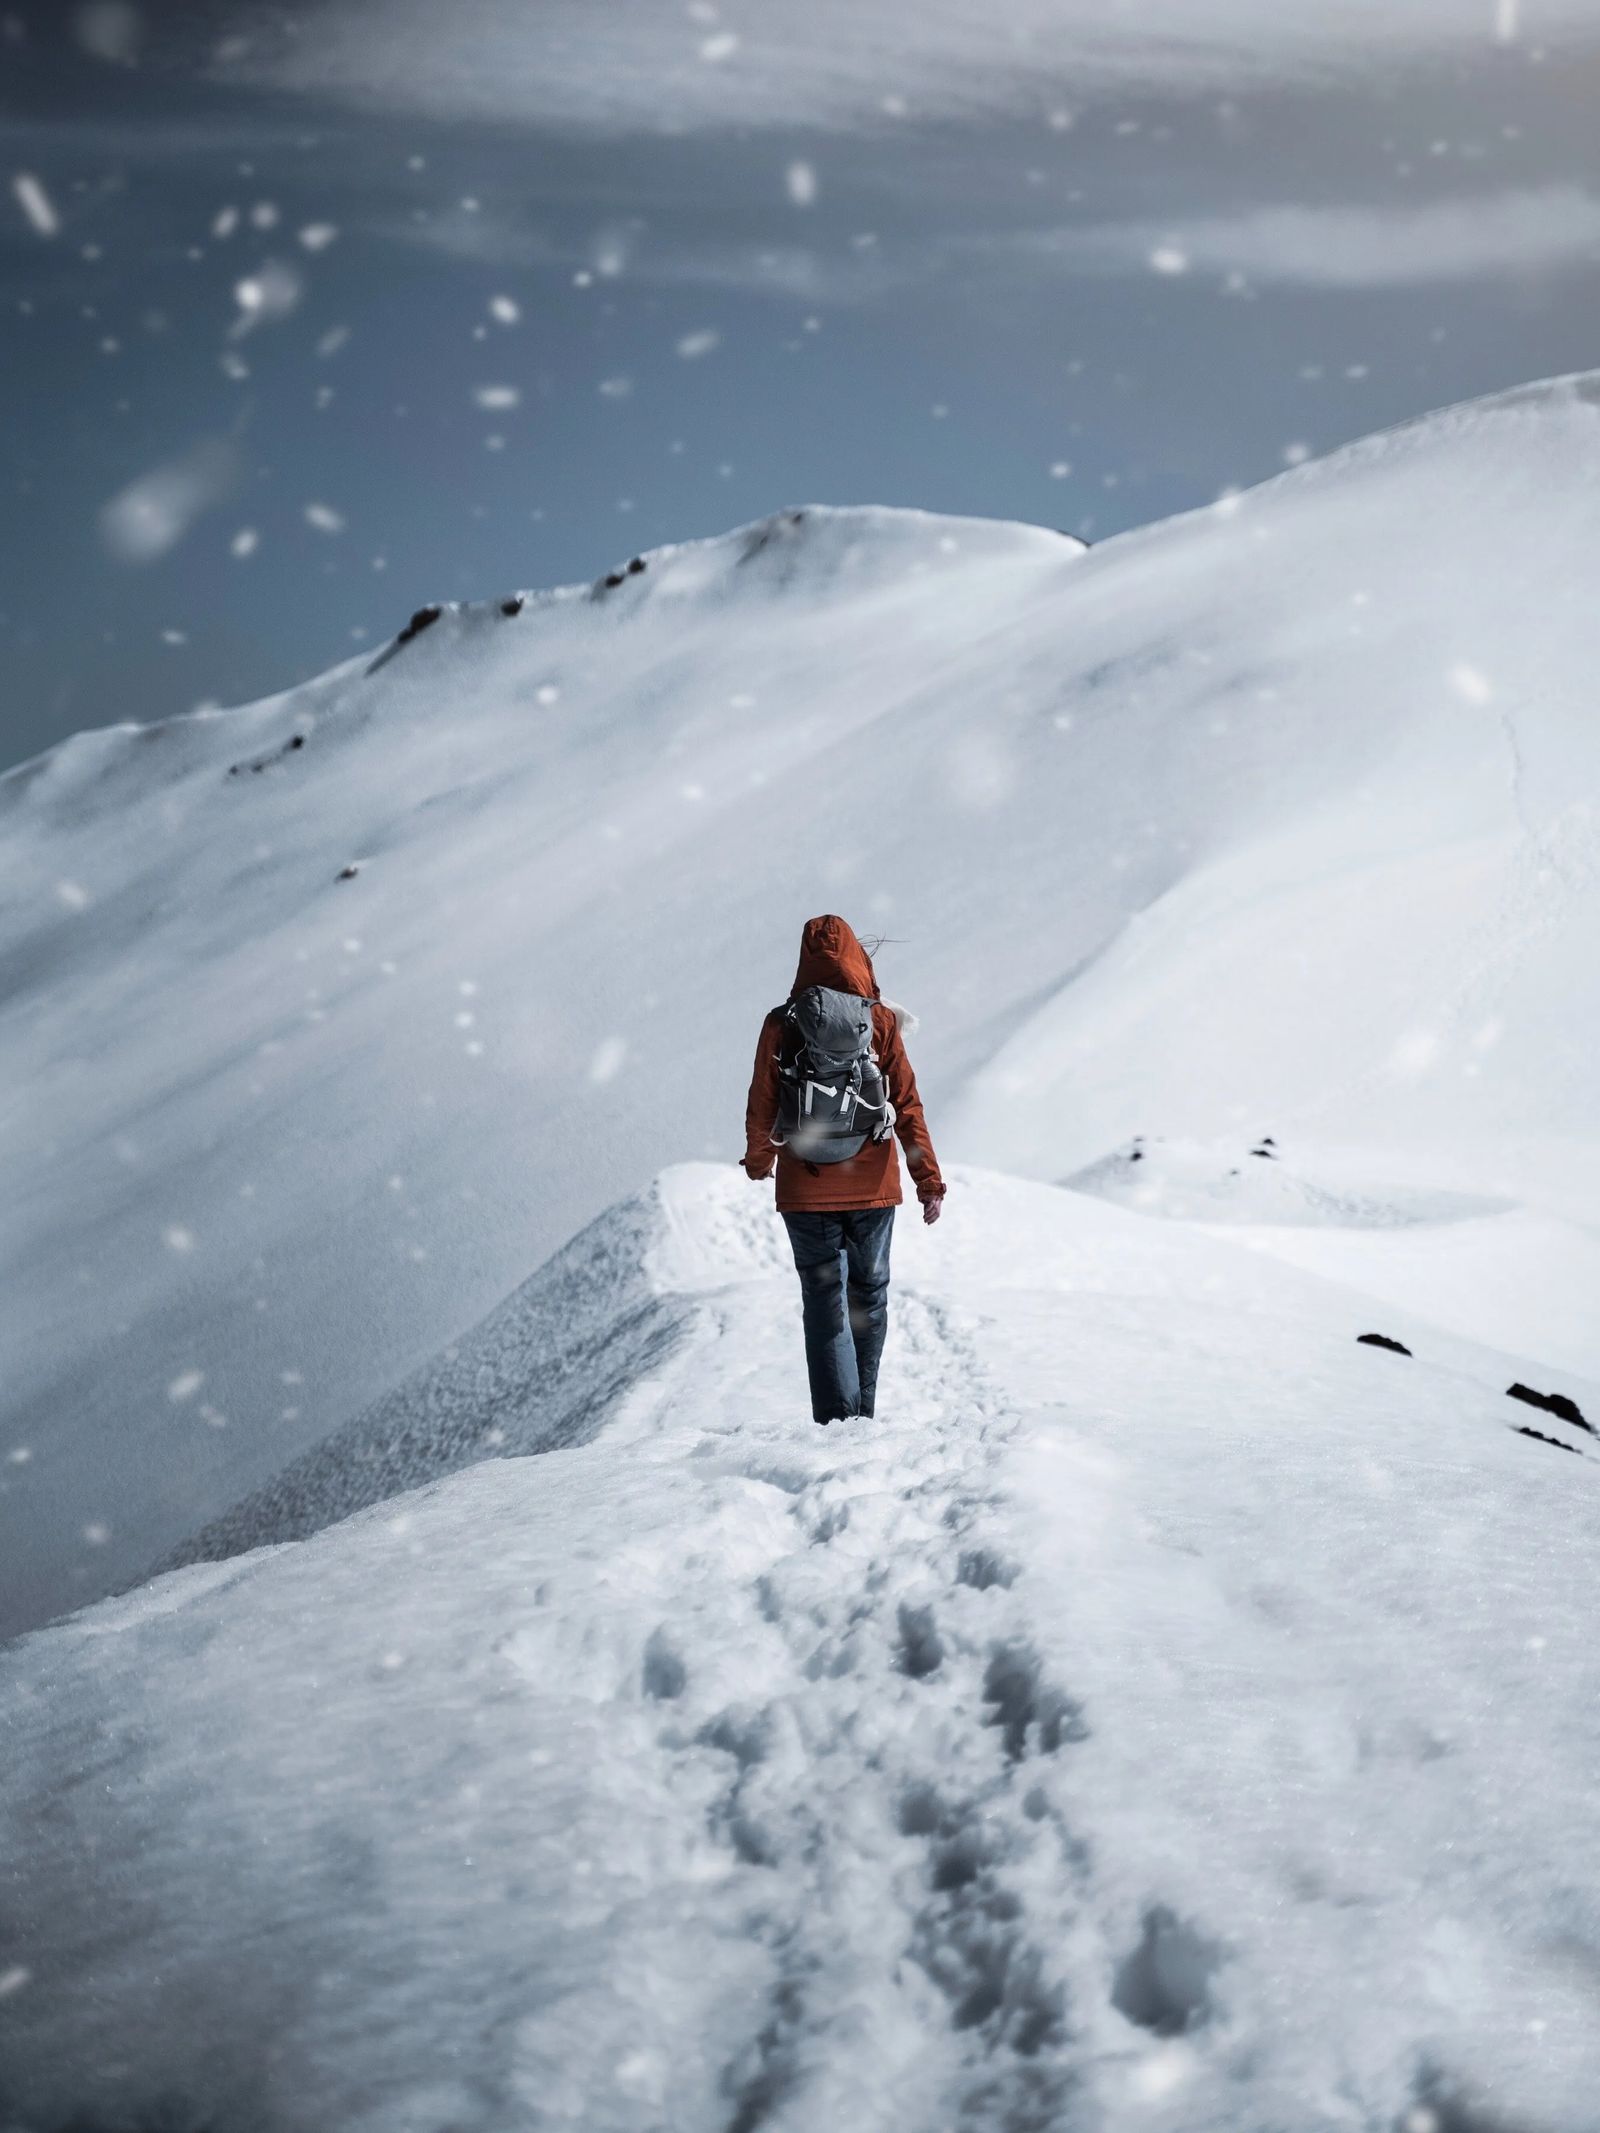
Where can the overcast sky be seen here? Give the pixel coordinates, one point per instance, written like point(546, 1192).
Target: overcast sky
point(311, 313)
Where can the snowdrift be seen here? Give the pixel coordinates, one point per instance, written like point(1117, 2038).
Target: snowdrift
point(1172, 1715)
point(551, 1367)
point(1278, 817)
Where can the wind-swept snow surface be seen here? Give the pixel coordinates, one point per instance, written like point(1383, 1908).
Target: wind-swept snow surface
point(1172, 1715)
point(325, 1019)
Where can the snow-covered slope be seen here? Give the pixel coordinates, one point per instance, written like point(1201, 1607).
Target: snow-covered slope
point(552, 1366)
point(1173, 1716)
point(1275, 818)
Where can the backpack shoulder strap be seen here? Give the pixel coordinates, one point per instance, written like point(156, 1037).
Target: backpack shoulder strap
point(785, 1032)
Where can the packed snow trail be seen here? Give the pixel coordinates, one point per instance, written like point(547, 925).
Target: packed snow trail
point(1170, 1715)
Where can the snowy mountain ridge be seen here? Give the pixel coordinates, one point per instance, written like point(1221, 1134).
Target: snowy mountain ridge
point(551, 1366)
point(1278, 813)
point(1178, 1712)
point(1173, 1715)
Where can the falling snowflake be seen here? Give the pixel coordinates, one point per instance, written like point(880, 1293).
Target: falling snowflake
point(36, 203)
point(266, 296)
point(607, 1061)
point(1415, 1053)
point(801, 180)
point(324, 518)
point(612, 251)
point(153, 513)
point(1471, 682)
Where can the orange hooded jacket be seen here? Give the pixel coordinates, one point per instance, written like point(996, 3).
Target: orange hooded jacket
point(830, 954)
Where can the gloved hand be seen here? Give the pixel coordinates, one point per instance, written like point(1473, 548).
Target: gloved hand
point(930, 1208)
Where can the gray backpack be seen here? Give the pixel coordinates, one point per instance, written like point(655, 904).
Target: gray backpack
point(831, 1094)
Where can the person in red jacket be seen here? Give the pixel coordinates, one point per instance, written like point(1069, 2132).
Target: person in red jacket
point(840, 1215)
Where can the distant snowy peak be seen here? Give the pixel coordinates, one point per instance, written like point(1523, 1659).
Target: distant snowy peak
point(809, 549)
point(812, 551)
point(1564, 403)
point(817, 545)
point(1550, 423)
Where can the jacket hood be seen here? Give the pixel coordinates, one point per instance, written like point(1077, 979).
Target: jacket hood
point(830, 954)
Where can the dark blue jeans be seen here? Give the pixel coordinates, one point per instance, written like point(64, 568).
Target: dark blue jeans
point(842, 1258)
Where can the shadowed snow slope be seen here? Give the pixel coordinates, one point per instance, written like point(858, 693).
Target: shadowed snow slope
point(1171, 1716)
point(550, 1367)
point(1277, 817)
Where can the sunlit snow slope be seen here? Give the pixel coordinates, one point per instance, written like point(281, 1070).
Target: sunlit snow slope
point(1275, 818)
point(1171, 1717)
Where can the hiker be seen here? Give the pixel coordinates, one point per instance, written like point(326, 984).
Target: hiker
point(832, 1087)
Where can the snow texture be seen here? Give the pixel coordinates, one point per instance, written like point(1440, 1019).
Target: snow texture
point(1174, 1715)
point(1178, 1712)
point(549, 1367)
point(325, 1019)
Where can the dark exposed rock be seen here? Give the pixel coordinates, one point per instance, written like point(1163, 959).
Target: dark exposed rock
point(265, 762)
point(1382, 1340)
point(1539, 1437)
point(1553, 1403)
point(423, 619)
